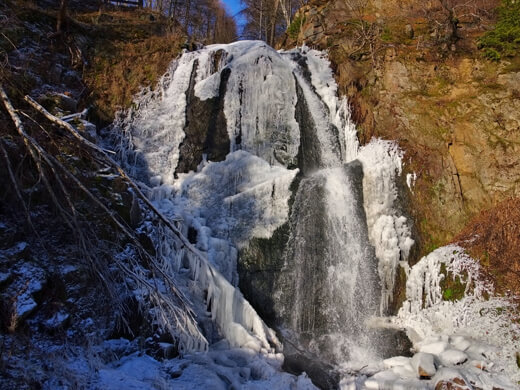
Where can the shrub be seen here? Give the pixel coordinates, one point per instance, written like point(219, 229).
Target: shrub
point(504, 39)
point(491, 54)
point(294, 29)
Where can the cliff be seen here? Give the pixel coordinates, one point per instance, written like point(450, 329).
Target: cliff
point(413, 77)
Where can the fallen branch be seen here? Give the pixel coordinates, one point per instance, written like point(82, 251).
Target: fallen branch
point(117, 167)
point(81, 114)
point(180, 312)
point(15, 183)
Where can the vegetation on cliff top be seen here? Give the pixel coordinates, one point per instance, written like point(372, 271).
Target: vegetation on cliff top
point(504, 39)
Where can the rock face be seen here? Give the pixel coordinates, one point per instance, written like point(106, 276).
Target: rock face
point(456, 115)
point(206, 132)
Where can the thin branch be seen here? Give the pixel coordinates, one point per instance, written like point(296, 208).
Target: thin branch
point(111, 162)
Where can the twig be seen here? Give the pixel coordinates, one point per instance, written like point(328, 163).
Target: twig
point(117, 167)
point(180, 312)
point(15, 183)
point(11, 42)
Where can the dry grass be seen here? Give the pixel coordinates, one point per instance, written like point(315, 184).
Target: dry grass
point(131, 50)
point(494, 238)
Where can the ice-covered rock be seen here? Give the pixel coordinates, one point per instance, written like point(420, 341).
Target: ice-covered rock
point(452, 357)
point(58, 320)
point(449, 379)
point(396, 361)
point(435, 348)
point(405, 372)
point(4, 277)
point(424, 365)
point(460, 342)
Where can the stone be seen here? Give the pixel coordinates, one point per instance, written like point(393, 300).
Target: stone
point(55, 73)
point(423, 365)
point(453, 357)
point(435, 348)
point(59, 320)
point(460, 342)
point(408, 29)
point(452, 384)
point(89, 129)
point(396, 361)
point(63, 101)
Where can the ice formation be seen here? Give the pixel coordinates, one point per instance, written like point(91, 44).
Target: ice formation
point(223, 204)
point(474, 337)
point(155, 128)
point(389, 230)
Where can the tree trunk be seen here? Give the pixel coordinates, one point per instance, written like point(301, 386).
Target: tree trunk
point(187, 16)
point(62, 16)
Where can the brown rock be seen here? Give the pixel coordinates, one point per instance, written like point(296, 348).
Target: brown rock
point(452, 384)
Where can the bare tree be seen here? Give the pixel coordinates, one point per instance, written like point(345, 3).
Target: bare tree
point(62, 16)
point(446, 16)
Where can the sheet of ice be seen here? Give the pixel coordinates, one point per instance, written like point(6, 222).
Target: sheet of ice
point(389, 231)
point(222, 368)
point(260, 98)
point(155, 128)
point(239, 198)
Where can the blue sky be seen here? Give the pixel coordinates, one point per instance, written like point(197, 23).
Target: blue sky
point(234, 7)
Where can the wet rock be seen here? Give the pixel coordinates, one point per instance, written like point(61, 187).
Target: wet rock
point(135, 212)
point(322, 375)
point(205, 129)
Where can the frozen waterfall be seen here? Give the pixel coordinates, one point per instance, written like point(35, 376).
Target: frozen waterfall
point(240, 141)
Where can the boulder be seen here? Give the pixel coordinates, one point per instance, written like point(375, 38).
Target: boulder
point(452, 357)
point(423, 365)
point(449, 379)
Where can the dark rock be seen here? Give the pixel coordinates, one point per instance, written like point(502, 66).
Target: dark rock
point(321, 374)
point(55, 73)
point(205, 129)
point(135, 212)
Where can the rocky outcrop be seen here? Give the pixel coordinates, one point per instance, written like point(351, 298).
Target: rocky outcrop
point(206, 131)
point(455, 114)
